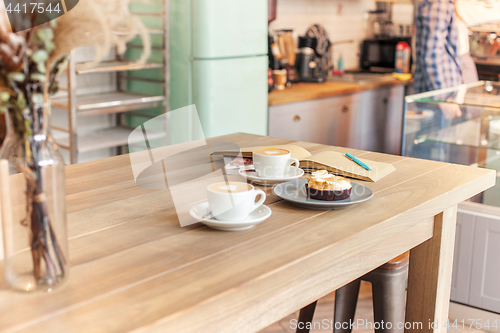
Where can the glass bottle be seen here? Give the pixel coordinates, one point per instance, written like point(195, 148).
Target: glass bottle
point(33, 203)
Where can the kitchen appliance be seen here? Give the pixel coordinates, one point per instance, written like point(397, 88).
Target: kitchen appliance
point(484, 41)
point(379, 21)
point(379, 54)
point(307, 66)
point(219, 62)
point(313, 59)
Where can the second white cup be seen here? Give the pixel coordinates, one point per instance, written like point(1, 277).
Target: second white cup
point(273, 162)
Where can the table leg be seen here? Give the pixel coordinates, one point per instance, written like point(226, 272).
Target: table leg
point(429, 277)
point(306, 315)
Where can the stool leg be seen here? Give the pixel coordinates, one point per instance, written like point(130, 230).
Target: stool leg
point(306, 315)
point(389, 298)
point(346, 299)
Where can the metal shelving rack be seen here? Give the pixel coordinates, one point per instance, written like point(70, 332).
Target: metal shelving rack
point(120, 102)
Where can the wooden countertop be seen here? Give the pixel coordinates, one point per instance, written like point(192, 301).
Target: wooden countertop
point(306, 91)
point(133, 268)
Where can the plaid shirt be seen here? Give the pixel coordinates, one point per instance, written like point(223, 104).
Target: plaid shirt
point(437, 63)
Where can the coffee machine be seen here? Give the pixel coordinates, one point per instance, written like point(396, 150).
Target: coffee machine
point(313, 56)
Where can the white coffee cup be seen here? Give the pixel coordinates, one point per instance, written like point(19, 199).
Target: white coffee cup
point(273, 162)
point(233, 201)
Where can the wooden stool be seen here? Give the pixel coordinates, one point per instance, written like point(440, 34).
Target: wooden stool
point(389, 299)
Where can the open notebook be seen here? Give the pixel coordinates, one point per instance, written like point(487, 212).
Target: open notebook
point(332, 161)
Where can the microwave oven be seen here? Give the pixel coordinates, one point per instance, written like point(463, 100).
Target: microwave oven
point(379, 54)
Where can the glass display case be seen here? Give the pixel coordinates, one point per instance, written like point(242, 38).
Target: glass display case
point(462, 125)
point(458, 125)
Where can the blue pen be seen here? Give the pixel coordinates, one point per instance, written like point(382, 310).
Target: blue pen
point(355, 160)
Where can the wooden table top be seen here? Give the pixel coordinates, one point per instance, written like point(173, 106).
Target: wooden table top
point(304, 91)
point(133, 268)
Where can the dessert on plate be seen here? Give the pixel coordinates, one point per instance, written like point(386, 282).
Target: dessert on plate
point(324, 186)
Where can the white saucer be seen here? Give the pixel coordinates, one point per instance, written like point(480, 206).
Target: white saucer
point(293, 174)
point(255, 217)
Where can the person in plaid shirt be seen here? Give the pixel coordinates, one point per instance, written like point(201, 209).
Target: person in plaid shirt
point(437, 62)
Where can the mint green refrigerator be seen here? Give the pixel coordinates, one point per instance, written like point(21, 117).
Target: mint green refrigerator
point(218, 62)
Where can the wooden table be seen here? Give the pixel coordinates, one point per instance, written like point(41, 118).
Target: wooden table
point(135, 269)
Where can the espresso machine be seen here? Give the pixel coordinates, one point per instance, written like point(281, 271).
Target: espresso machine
point(313, 56)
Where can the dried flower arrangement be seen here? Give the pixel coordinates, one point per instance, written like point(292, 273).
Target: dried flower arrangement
point(30, 62)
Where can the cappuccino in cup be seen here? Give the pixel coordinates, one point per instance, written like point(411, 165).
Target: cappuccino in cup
point(273, 162)
point(230, 187)
point(272, 151)
point(233, 201)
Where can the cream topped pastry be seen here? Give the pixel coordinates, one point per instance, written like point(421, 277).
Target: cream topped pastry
point(324, 186)
point(322, 180)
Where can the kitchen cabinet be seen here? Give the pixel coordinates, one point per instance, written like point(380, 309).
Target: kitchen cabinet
point(485, 289)
point(462, 125)
point(476, 269)
point(369, 120)
point(462, 257)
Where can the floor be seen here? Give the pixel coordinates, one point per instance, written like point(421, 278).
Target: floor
point(324, 311)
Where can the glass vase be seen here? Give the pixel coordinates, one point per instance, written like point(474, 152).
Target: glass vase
point(33, 202)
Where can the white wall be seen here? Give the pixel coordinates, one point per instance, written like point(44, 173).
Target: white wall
point(343, 19)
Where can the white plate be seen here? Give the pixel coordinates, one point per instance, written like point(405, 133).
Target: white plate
point(295, 191)
point(255, 217)
point(293, 174)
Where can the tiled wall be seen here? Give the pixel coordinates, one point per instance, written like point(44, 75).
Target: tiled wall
point(343, 19)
